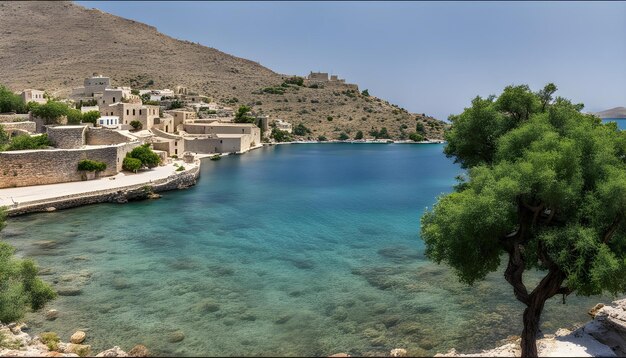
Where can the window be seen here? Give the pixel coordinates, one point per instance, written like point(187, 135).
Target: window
point(140, 112)
point(113, 99)
point(133, 111)
point(175, 151)
point(127, 112)
point(175, 144)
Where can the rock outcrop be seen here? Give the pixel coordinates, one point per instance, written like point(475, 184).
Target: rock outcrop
point(604, 336)
point(16, 343)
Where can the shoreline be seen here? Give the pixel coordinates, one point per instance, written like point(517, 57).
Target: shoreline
point(358, 141)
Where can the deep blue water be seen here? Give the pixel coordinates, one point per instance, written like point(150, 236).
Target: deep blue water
point(621, 122)
point(289, 250)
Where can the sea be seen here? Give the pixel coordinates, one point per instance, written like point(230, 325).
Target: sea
point(289, 250)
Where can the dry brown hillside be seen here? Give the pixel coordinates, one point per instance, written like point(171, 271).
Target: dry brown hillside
point(54, 45)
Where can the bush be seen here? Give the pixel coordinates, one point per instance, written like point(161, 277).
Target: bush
point(131, 164)
point(136, 125)
point(301, 129)
point(51, 340)
point(416, 137)
point(216, 157)
point(419, 127)
point(50, 112)
point(329, 118)
point(273, 90)
point(91, 165)
point(359, 135)
point(4, 138)
point(25, 141)
point(280, 135)
point(20, 287)
point(243, 116)
point(176, 104)
point(91, 117)
point(180, 168)
point(74, 116)
point(10, 102)
point(147, 157)
point(322, 138)
point(365, 93)
point(343, 136)
point(295, 80)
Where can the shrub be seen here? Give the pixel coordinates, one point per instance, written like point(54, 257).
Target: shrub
point(91, 117)
point(365, 93)
point(25, 141)
point(243, 116)
point(50, 112)
point(91, 165)
point(322, 138)
point(136, 125)
point(359, 135)
point(4, 138)
point(343, 136)
point(419, 127)
point(273, 90)
point(10, 102)
point(131, 164)
point(51, 340)
point(295, 80)
point(180, 168)
point(216, 157)
point(147, 157)
point(280, 135)
point(176, 104)
point(74, 116)
point(416, 137)
point(20, 287)
point(329, 118)
point(301, 129)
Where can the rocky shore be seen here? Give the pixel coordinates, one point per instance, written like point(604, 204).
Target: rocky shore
point(15, 342)
point(604, 336)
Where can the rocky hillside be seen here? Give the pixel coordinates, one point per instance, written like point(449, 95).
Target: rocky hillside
point(54, 45)
point(617, 112)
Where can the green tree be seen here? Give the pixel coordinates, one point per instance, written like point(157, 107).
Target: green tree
point(546, 189)
point(365, 92)
point(25, 141)
point(359, 135)
point(91, 165)
point(51, 112)
point(136, 125)
point(243, 115)
point(146, 155)
point(92, 117)
point(280, 135)
point(11, 102)
point(74, 116)
point(301, 130)
point(176, 104)
point(20, 288)
point(545, 95)
point(416, 137)
point(4, 138)
point(343, 136)
point(419, 127)
point(131, 164)
point(322, 138)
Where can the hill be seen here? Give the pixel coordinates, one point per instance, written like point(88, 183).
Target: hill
point(54, 45)
point(617, 112)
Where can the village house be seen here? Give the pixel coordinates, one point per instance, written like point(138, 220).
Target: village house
point(31, 95)
point(283, 125)
point(128, 112)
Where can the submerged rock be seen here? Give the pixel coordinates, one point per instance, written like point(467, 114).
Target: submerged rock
point(51, 315)
point(78, 337)
point(113, 352)
point(176, 337)
point(139, 351)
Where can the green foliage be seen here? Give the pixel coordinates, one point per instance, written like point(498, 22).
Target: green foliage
point(51, 112)
point(51, 340)
point(144, 154)
point(359, 135)
point(545, 185)
point(135, 92)
point(11, 102)
point(4, 138)
point(131, 164)
point(416, 137)
point(295, 80)
point(301, 130)
point(136, 125)
point(176, 104)
point(243, 115)
point(180, 168)
point(322, 138)
point(274, 90)
point(419, 127)
point(365, 92)
point(329, 118)
point(74, 116)
point(381, 134)
point(280, 135)
point(25, 141)
point(20, 288)
point(91, 117)
point(216, 157)
point(343, 136)
point(91, 165)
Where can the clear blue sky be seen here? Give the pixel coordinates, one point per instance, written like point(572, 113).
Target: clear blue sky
point(430, 57)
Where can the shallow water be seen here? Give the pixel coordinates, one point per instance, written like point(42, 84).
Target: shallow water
point(290, 250)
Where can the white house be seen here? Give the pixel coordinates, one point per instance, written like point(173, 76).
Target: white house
point(109, 121)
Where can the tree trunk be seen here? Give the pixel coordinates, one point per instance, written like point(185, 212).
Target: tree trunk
point(532, 315)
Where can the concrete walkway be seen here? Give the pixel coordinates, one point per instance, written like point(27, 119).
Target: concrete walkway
point(26, 194)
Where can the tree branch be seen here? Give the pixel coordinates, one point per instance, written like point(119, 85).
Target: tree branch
point(612, 229)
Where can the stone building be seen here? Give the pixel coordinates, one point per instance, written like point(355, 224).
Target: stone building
point(318, 76)
point(31, 95)
point(283, 125)
point(128, 112)
point(181, 116)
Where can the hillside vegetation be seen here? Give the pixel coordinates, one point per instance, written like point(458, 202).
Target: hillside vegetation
point(55, 45)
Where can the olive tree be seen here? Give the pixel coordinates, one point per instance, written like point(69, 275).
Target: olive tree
point(545, 190)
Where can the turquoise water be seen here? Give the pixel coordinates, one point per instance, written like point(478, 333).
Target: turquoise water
point(621, 122)
point(290, 250)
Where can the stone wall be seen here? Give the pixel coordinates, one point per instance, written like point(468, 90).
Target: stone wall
point(180, 180)
point(4, 118)
point(202, 145)
point(103, 136)
point(20, 126)
point(50, 166)
point(67, 137)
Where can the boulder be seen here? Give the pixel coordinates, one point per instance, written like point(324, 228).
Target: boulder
point(176, 337)
point(113, 352)
point(78, 337)
point(398, 352)
point(139, 351)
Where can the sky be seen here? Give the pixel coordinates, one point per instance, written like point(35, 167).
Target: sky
point(428, 57)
